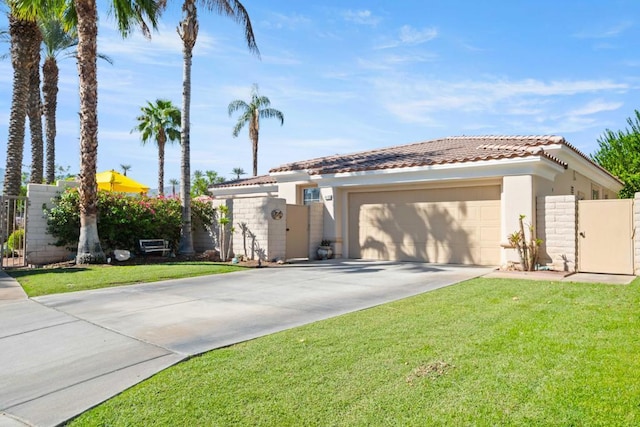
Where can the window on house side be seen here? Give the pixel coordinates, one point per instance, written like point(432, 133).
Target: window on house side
point(310, 195)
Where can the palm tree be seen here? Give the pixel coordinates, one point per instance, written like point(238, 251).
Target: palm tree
point(34, 112)
point(173, 182)
point(237, 172)
point(25, 46)
point(127, 14)
point(55, 41)
point(188, 31)
point(159, 122)
point(258, 108)
point(125, 169)
point(59, 36)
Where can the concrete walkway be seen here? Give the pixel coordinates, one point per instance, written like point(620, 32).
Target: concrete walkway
point(62, 354)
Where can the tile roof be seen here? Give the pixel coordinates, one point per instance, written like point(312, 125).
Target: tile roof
point(459, 149)
point(254, 180)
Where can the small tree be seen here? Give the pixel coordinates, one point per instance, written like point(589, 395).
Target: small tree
point(202, 180)
point(619, 153)
point(125, 169)
point(528, 251)
point(173, 182)
point(244, 229)
point(237, 172)
point(223, 224)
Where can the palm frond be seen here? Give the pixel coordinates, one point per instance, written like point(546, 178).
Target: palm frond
point(245, 118)
point(269, 113)
point(236, 11)
point(236, 105)
point(130, 13)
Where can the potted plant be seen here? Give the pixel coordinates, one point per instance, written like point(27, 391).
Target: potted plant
point(324, 250)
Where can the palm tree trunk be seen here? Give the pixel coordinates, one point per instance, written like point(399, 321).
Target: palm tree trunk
point(188, 30)
point(50, 94)
point(34, 111)
point(89, 249)
point(22, 33)
point(161, 143)
point(253, 134)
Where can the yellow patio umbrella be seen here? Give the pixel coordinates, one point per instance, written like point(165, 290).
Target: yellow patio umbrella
point(115, 181)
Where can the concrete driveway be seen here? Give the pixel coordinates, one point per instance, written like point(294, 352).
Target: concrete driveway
point(62, 354)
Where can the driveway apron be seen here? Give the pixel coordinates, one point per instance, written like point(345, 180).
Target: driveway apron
point(62, 354)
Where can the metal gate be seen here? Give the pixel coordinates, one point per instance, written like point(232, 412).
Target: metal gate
point(297, 231)
point(13, 231)
point(605, 236)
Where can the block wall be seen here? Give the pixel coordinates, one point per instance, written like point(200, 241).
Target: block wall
point(557, 222)
point(265, 238)
point(40, 245)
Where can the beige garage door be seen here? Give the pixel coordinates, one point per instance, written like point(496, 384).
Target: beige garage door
point(453, 225)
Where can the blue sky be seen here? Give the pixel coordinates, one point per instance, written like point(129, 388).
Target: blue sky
point(357, 75)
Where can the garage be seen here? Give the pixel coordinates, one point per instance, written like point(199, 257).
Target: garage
point(445, 225)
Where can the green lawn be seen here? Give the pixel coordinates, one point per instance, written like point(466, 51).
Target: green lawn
point(44, 281)
point(484, 352)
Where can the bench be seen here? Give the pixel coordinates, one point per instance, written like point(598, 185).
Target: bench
point(154, 245)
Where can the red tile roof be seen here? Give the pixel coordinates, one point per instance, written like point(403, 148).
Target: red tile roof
point(459, 149)
point(254, 180)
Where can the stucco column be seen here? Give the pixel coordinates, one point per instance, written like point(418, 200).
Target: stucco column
point(333, 218)
point(517, 199)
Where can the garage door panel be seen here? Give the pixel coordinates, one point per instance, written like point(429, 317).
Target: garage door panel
point(441, 225)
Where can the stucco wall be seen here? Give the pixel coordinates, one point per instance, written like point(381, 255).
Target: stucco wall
point(636, 234)
point(557, 218)
point(316, 227)
point(574, 183)
point(40, 245)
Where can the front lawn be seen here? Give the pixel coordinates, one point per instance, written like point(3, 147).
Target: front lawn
point(44, 281)
point(484, 352)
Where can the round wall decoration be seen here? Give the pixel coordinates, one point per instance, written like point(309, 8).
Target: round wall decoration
point(276, 214)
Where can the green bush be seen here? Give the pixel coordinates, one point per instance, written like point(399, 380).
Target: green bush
point(15, 241)
point(122, 219)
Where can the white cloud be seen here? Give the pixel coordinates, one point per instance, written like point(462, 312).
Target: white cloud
point(594, 107)
point(409, 36)
point(279, 21)
point(604, 33)
point(285, 58)
point(363, 17)
point(417, 100)
point(164, 48)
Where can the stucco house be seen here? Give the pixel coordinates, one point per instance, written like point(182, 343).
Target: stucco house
point(449, 200)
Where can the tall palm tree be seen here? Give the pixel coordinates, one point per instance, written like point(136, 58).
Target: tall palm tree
point(34, 112)
point(237, 172)
point(59, 37)
point(257, 108)
point(188, 31)
point(159, 122)
point(127, 13)
point(125, 169)
point(25, 46)
point(56, 40)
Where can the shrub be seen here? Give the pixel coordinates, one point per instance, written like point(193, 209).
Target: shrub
point(122, 219)
point(15, 241)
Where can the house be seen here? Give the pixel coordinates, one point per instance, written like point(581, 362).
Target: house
point(449, 200)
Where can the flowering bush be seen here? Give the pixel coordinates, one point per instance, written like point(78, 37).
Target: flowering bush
point(122, 219)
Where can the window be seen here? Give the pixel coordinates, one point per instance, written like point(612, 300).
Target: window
point(310, 195)
point(595, 193)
